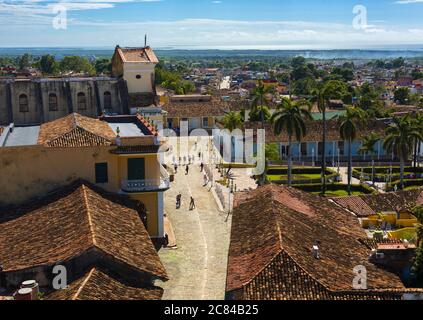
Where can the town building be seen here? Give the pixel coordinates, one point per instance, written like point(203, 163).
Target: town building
point(118, 153)
point(290, 245)
point(97, 238)
point(35, 100)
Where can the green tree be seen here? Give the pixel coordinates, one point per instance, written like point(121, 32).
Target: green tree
point(291, 117)
point(48, 64)
point(368, 147)
point(418, 126)
point(25, 61)
point(321, 95)
point(398, 62)
point(76, 64)
point(417, 268)
point(348, 132)
point(103, 66)
point(232, 121)
point(260, 113)
point(399, 139)
point(402, 95)
point(260, 97)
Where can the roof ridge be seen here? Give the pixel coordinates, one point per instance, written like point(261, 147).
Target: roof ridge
point(81, 287)
point(87, 206)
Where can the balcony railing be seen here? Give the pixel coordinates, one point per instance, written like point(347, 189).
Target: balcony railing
point(145, 185)
point(148, 184)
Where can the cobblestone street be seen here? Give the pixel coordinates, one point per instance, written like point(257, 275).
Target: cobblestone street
point(197, 268)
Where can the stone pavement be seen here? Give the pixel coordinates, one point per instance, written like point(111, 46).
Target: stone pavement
point(197, 268)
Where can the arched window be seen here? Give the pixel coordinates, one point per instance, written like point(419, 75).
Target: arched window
point(81, 101)
point(107, 100)
point(52, 102)
point(23, 103)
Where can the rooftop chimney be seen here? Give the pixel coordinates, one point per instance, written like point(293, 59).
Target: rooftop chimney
point(315, 251)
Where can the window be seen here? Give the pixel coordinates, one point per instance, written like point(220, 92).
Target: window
point(52, 102)
point(304, 149)
point(341, 147)
point(101, 173)
point(81, 101)
point(205, 122)
point(320, 148)
point(23, 103)
point(136, 169)
point(107, 100)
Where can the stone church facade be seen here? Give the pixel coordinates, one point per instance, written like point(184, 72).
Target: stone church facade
point(30, 101)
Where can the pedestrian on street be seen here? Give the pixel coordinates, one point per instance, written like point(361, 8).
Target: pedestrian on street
point(186, 170)
point(206, 179)
point(201, 167)
point(175, 166)
point(178, 201)
point(192, 204)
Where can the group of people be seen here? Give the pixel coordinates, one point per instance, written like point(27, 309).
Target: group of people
point(179, 202)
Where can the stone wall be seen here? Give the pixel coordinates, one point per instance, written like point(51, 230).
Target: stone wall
point(34, 101)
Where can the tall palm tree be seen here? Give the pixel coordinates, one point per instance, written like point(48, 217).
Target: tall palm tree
point(291, 117)
point(400, 136)
point(232, 120)
point(368, 147)
point(348, 132)
point(321, 95)
point(260, 99)
point(418, 124)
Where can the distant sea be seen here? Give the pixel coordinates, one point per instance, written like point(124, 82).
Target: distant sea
point(355, 54)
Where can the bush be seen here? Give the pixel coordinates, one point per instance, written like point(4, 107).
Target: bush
point(315, 188)
point(407, 183)
point(381, 173)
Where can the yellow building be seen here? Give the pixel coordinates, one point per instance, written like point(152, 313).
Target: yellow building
point(117, 153)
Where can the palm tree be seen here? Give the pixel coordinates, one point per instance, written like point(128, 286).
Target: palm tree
point(321, 95)
point(368, 147)
point(291, 117)
point(348, 132)
point(232, 121)
point(418, 124)
point(400, 136)
point(260, 99)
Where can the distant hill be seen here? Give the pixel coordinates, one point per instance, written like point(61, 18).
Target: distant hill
point(316, 54)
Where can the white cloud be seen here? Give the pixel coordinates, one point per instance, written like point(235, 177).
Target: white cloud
point(408, 1)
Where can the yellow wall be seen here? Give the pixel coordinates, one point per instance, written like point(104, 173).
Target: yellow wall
point(150, 201)
point(28, 172)
point(145, 70)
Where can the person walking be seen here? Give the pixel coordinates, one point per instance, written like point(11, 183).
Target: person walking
point(186, 170)
point(175, 166)
point(178, 201)
point(201, 167)
point(192, 204)
point(206, 179)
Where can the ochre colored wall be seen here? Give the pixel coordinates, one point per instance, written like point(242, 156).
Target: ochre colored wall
point(143, 85)
point(28, 172)
point(150, 201)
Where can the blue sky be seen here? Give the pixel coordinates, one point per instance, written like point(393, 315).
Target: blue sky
point(258, 24)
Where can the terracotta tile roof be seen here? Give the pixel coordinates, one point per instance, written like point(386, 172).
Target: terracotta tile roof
point(273, 232)
point(137, 55)
point(97, 285)
point(215, 107)
point(365, 205)
point(315, 127)
point(75, 130)
point(72, 221)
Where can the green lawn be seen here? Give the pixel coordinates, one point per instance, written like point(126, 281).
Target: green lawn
point(340, 193)
point(295, 177)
